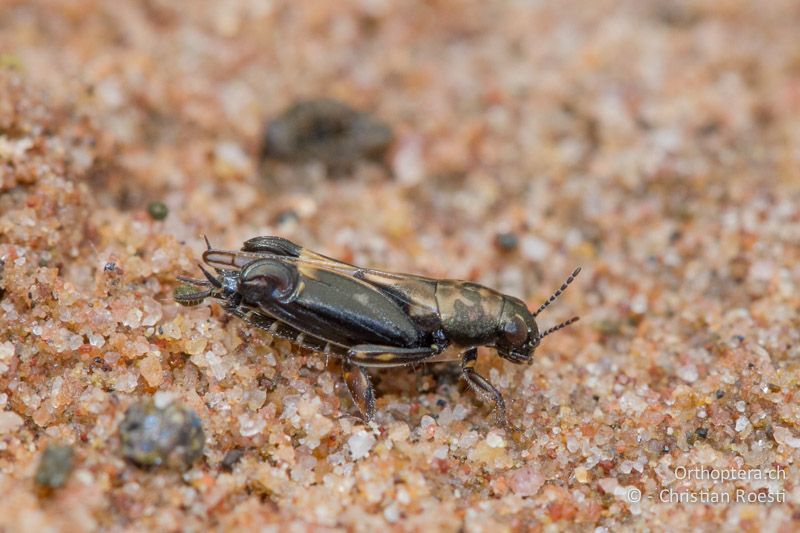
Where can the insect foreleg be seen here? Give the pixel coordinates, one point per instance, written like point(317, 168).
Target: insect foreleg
point(482, 386)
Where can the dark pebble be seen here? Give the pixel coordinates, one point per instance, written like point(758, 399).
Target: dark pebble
point(507, 242)
point(171, 436)
point(55, 466)
point(230, 459)
point(327, 131)
point(157, 210)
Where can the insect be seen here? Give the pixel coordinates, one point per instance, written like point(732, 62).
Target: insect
point(369, 318)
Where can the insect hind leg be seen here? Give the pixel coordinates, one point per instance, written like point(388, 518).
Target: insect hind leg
point(361, 356)
point(361, 389)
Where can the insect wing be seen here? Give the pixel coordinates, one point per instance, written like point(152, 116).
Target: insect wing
point(340, 308)
point(415, 294)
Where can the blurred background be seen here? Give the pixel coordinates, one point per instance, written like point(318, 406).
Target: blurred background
point(508, 117)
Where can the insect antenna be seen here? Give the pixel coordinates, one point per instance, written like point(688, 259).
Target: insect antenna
point(558, 327)
point(558, 293)
point(208, 243)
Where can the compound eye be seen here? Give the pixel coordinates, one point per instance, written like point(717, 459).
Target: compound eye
point(515, 331)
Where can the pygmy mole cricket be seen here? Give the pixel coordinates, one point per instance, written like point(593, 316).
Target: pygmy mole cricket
point(366, 317)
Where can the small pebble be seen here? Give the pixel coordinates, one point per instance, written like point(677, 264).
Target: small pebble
point(9, 422)
point(157, 210)
point(526, 481)
point(153, 436)
point(231, 458)
point(784, 436)
point(572, 445)
point(495, 440)
point(741, 423)
point(426, 422)
point(360, 444)
point(507, 242)
point(7, 350)
point(688, 373)
point(441, 452)
point(55, 466)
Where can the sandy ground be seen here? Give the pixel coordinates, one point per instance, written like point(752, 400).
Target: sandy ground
point(655, 144)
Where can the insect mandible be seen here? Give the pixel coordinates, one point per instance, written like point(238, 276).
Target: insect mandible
point(366, 317)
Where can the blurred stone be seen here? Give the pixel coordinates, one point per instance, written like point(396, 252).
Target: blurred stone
point(327, 131)
point(231, 458)
point(9, 422)
point(360, 444)
point(55, 466)
point(526, 481)
point(507, 242)
point(153, 436)
point(157, 210)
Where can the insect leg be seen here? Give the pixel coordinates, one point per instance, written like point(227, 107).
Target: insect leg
point(360, 388)
point(375, 355)
point(482, 386)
